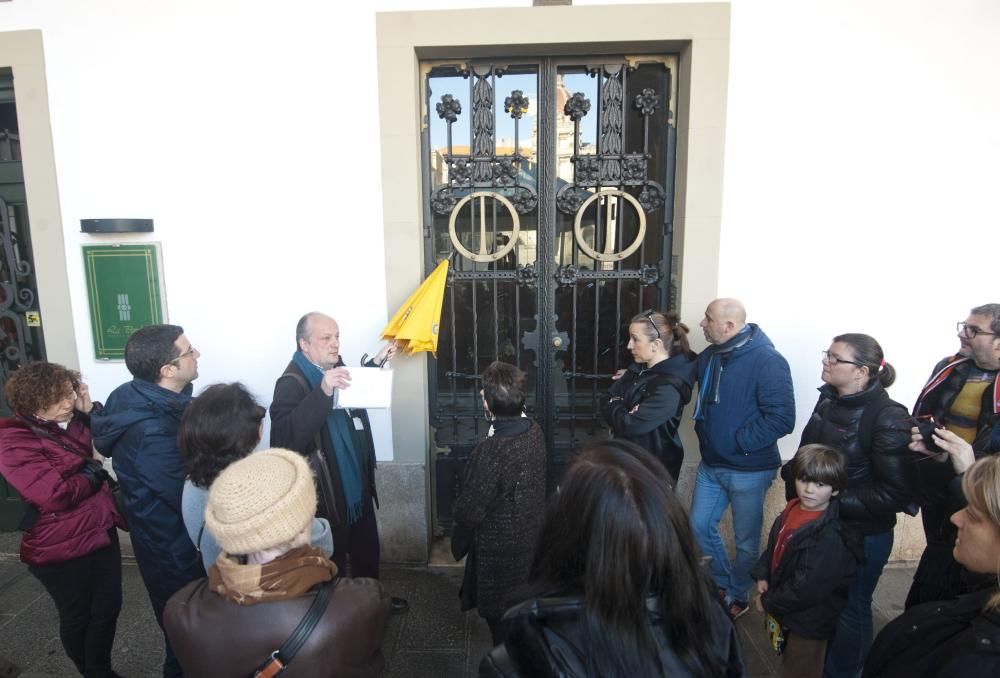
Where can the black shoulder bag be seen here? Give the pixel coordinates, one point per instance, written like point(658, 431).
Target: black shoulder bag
point(279, 660)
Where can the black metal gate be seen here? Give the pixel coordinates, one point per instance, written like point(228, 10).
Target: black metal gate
point(549, 183)
point(20, 321)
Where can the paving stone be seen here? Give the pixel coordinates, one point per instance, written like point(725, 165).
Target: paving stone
point(18, 589)
point(425, 665)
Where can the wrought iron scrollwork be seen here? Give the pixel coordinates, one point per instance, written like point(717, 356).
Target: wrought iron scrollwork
point(14, 299)
point(611, 167)
point(516, 104)
point(567, 275)
point(570, 197)
point(449, 108)
point(650, 275)
point(526, 275)
point(612, 127)
point(576, 107)
point(482, 168)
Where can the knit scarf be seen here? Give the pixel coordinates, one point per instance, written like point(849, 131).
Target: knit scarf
point(345, 446)
point(708, 385)
point(290, 576)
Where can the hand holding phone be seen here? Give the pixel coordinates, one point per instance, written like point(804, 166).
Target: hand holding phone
point(926, 425)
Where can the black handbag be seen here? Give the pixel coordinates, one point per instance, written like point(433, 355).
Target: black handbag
point(279, 660)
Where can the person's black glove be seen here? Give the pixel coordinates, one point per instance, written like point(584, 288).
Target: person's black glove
point(95, 474)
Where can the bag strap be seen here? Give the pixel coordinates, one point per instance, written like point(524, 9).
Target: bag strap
point(42, 433)
point(299, 378)
point(306, 390)
point(279, 660)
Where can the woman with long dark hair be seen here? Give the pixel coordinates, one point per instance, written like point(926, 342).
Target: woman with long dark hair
point(644, 404)
point(958, 637)
point(70, 540)
point(856, 416)
point(619, 589)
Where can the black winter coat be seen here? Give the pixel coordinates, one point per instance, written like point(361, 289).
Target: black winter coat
point(879, 478)
point(298, 422)
point(951, 639)
point(502, 503)
point(544, 641)
point(661, 392)
point(808, 590)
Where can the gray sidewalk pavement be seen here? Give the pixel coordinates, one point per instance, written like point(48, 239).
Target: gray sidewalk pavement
point(434, 640)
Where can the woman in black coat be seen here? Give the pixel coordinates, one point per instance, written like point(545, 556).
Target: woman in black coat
point(855, 415)
point(959, 637)
point(499, 511)
point(645, 403)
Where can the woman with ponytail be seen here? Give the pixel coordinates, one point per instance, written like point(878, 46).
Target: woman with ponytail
point(645, 403)
point(856, 416)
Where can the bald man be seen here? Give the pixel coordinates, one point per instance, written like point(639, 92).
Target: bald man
point(745, 404)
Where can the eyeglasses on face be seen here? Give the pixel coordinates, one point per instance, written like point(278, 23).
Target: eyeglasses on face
point(831, 359)
point(649, 317)
point(186, 353)
point(971, 331)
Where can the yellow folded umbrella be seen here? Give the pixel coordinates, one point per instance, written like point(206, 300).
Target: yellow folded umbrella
point(415, 325)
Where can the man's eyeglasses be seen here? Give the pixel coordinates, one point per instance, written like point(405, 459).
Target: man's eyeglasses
point(649, 317)
point(971, 331)
point(828, 357)
point(186, 353)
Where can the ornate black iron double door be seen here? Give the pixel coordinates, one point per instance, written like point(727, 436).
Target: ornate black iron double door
point(549, 184)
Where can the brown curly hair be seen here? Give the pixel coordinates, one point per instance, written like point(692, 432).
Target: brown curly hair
point(39, 385)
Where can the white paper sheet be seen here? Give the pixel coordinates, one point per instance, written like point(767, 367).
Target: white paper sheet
point(371, 388)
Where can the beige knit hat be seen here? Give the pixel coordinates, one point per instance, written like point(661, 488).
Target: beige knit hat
point(261, 501)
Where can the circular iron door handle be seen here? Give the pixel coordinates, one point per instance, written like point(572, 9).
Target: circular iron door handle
point(557, 341)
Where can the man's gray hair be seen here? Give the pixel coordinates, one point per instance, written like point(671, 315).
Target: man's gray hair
point(302, 329)
point(991, 311)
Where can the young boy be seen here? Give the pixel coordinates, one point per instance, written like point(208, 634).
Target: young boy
point(811, 557)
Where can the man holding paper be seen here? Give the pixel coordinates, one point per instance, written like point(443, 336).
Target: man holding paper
point(305, 417)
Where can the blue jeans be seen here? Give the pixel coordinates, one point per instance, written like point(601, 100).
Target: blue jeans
point(714, 489)
point(846, 651)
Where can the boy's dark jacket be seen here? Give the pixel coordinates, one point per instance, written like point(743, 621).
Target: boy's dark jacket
point(808, 590)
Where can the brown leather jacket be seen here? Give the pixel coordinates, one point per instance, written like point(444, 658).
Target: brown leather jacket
point(215, 638)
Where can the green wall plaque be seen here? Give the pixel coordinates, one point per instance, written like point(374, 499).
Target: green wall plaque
point(123, 286)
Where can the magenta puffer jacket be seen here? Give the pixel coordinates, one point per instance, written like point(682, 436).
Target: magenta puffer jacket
point(73, 520)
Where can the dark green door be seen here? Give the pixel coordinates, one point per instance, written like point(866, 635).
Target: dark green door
point(20, 321)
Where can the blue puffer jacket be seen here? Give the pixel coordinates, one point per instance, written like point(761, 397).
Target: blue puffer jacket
point(741, 420)
point(138, 430)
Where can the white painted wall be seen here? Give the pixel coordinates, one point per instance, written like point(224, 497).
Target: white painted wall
point(862, 144)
